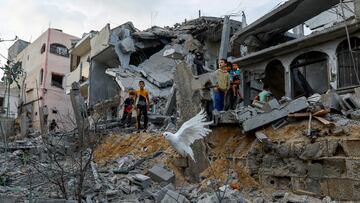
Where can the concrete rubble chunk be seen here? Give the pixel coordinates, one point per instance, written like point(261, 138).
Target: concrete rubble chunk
point(142, 180)
point(261, 136)
point(350, 103)
point(245, 113)
point(332, 100)
point(269, 117)
point(224, 117)
point(160, 69)
point(160, 174)
point(271, 105)
point(173, 196)
point(56, 201)
point(160, 193)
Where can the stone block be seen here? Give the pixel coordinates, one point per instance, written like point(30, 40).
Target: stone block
point(312, 151)
point(353, 168)
point(334, 168)
point(142, 180)
point(315, 170)
point(313, 185)
point(173, 196)
point(352, 147)
point(160, 194)
point(160, 174)
point(341, 189)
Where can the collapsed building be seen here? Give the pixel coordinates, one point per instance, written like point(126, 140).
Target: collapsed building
point(293, 64)
point(114, 60)
point(303, 141)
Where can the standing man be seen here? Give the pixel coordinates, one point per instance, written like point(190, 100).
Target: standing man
point(222, 85)
point(142, 105)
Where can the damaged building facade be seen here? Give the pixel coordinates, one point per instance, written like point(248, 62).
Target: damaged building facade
point(45, 63)
point(118, 58)
point(294, 64)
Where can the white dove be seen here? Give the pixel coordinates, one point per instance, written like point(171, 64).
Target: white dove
point(190, 131)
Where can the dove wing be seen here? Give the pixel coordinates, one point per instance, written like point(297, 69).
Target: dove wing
point(193, 129)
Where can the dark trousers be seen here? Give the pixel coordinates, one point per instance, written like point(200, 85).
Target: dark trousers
point(230, 100)
point(142, 111)
point(126, 118)
point(219, 100)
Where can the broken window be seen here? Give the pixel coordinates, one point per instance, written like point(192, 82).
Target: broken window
point(59, 49)
point(309, 73)
point(348, 64)
point(57, 80)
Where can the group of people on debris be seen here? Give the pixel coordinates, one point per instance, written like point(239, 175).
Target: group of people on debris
point(226, 95)
point(226, 90)
point(138, 100)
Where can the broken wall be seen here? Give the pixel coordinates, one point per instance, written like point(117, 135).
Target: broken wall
point(101, 85)
point(253, 70)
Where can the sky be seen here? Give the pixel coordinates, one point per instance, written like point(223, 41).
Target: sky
point(28, 19)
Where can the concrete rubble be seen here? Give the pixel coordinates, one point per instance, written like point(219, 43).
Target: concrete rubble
point(300, 149)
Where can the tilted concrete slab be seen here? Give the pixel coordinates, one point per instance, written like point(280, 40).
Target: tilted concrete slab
point(267, 118)
point(283, 18)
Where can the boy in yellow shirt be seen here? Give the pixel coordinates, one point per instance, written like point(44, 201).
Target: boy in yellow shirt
point(142, 105)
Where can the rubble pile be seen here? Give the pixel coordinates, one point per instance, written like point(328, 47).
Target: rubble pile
point(142, 167)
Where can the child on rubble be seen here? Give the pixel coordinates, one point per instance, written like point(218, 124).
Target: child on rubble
point(233, 95)
point(128, 108)
point(264, 96)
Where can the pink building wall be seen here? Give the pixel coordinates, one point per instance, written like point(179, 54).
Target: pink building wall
point(34, 62)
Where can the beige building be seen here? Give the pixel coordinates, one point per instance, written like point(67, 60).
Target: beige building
point(46, 62)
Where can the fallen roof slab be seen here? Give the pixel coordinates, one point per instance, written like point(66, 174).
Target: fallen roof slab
point(283, 18)
point(267, 118)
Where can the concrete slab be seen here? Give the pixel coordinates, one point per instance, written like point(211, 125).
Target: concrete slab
point(160, 174)
point(267, 118)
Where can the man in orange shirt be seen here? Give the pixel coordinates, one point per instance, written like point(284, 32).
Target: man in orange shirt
point(142, 105)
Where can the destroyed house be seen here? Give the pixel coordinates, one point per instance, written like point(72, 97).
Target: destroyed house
point(112, 61)
point(294, 64)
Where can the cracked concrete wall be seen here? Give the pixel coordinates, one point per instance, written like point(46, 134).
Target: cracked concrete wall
point(101, 85)
point(328, 48)
point(100, 41)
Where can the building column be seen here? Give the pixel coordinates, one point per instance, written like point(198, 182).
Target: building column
point(225, 38)
point(288, 85)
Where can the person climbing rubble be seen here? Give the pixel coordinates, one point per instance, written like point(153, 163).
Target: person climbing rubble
point(264, 96)
point(142, 105)
point(222, 84)
point(128, 108)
